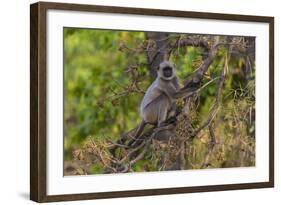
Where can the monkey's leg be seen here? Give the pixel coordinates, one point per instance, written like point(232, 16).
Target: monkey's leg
point(150, 116)
point(163, 107)
point(172, 114)
point(173, 111)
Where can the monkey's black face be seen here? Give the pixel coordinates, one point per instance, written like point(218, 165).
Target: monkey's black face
point(167, 72)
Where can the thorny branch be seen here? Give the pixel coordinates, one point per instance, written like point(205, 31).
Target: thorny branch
point(210, 147)
point(119, 156)
point(137, 152)
point(215, 106)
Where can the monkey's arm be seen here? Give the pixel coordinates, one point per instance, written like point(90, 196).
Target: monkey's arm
point(188, 91)
point(171, 91)
point(176, 83)
point(184, 92)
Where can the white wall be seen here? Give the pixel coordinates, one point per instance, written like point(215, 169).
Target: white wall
point(14, 103)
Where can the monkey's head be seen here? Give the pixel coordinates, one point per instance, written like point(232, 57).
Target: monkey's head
point(166, 70)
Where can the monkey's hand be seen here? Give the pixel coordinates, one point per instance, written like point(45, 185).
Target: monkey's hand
point(191, 86)
point(172, 120)
point(196, 87)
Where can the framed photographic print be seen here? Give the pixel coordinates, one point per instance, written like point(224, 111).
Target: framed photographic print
point(134, 102)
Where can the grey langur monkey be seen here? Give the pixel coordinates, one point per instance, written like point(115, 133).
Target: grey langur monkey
point(158, 103)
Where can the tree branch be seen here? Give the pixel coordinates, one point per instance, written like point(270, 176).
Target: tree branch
point(216, 104)
point(198, 75)
point(211, 145)
point(129, 155)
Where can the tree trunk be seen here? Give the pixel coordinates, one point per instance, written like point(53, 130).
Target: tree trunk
point(157, 52)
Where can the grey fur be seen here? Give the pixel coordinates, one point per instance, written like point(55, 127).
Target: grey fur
point(159, 97)
point(159, 102)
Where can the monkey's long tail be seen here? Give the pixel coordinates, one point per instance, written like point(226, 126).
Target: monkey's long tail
point(137, 133)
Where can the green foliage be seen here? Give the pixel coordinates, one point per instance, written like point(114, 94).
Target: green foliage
point(97, 168)
point(96, 70)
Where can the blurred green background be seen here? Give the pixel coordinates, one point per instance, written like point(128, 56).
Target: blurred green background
point(95, 71)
